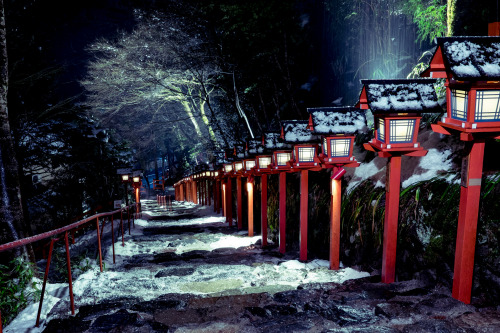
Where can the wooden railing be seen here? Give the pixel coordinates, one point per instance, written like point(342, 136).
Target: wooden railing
point(58, 234)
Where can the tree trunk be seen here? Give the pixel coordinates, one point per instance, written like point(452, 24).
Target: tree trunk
point(450, 17)
point(11, 212)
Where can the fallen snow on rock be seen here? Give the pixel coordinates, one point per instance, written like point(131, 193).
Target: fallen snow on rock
point(433, 163)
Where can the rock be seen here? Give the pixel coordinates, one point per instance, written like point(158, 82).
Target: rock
point(117, 320)
point(179, 271)
point(392, 309)
point(280, 310)
point(434, 325)
point(71, 324)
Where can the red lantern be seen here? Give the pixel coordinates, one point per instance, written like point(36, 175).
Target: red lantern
point(397, 106)
point(471, 67)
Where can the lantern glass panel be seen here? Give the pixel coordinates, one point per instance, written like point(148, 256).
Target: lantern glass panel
point(249, 165)
point(264, 162)
point(459, 100)
point(228, 168)
point(282, 158)
point(401, 130)
point(381, 129)
point(306, 154)
point(487, 105)
point(238, 166)
point(137, 179)
point(325, 147)
point(340, 147)
point(125, 178)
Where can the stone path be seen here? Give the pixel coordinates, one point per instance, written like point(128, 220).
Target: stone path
point(211, 305)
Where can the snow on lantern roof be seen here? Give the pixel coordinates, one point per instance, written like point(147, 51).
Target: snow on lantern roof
point(469, 58)
point(239, 151)
point(271, 141)
point(337, 120)
point(404, 95)
point(297, 131)
point(255, 147)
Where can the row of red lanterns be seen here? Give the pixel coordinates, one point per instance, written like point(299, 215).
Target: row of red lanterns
point(471, 67)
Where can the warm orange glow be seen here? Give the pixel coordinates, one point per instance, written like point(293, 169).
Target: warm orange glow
point(249, 187)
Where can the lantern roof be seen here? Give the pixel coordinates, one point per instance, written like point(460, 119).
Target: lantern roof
point(239, 151)
point(297, 131)
point(255, 147)
point(466, 58)
point(271, 141)
point(399, 96)
point(336, 120)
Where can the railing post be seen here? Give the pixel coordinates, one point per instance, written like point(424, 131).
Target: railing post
point(70, 279)
point(47, 267)
point(99, 243)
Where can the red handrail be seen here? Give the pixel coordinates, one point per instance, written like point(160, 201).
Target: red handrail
point(65, 229)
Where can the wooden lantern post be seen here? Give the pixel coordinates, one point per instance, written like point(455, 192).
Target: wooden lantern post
point(137, 183)
point(248, 166)
point(258, 148)
point(473, 114)
point(237, 171)
point(228, 196)
point(397, 106)
point(262, 169)
point(304, 158)
point(280, 164)
point(337, 127)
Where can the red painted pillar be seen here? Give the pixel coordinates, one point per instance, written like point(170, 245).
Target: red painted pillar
point(229, 202)
point(335, 224)
point(208, 193)
point(263, 205)
point(138, 197)
point(393, 186)
point(220, 200)
point(195, 193)
point(224, 186)
point(250, 207)
point(239, 203)
point(203, 193)
point(304, 196)
point(215, 194)
point(222, 203)
point(472, 170)
point(282, 212)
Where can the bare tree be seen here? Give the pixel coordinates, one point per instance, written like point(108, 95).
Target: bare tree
point(157, 84)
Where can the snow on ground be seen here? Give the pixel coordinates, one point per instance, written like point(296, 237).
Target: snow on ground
point(146, 282)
